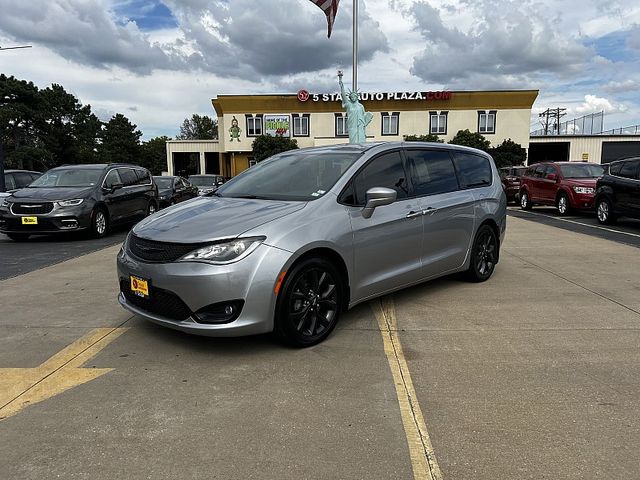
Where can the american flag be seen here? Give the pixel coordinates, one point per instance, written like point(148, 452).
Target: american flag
point(330, 8)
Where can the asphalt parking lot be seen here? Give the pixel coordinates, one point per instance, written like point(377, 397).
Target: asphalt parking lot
point(533, 374)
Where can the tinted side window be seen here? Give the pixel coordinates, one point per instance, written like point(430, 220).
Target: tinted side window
point(383, 171)
point(9, 181)
point(112, 178)
point(629, 170)
point(530, 172)
point(128, 176)
point(22, 179)
point(473, 170)
point(144, 177)
point(432, 172)
point(614, 168)
point(539, 171)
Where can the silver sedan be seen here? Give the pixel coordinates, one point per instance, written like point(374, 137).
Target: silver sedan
point(294, 241)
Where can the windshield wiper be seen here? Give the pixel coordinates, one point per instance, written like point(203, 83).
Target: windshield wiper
point(251, 197)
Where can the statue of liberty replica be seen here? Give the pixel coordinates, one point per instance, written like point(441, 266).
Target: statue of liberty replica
point(357, 118)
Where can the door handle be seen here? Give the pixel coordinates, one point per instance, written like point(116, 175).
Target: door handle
point(413, 214)
point(429, 211)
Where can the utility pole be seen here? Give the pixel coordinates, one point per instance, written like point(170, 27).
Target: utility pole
point(552, 113)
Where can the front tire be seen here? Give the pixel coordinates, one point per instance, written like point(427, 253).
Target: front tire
point(563, 205)
point(309, 303)
point(99, 223)
point(604, 211)
point(484, 255)
point(525, 202)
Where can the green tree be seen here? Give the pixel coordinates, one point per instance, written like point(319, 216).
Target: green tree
point(471, 139)
point(430, 137)
point(508, 153)
point(154, 155)
point(264, 146)
point(199, 128)
point(19, 104)
point(120, 141)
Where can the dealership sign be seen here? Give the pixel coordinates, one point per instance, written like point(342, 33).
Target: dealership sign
point(277, 125)
point(304, 95)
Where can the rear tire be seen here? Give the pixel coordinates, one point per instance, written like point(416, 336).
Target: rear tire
point(563, 205)
point(484, 255)
point(309, 304)
point(99, 223)
point(525, 201)
point(604, 212)
point(18, 237)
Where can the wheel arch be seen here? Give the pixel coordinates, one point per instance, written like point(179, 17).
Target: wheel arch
point(336, 259)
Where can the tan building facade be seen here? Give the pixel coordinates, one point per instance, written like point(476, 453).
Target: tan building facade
point(318, 119)
point(583, 148)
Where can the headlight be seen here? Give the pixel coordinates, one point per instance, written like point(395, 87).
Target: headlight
point(4, 202)
point(584, 190)
point(70, 203)
point(224, 252)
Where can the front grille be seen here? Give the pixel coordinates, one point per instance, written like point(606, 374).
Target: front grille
point(25, 208)
point(160, 302)
point(159, 252)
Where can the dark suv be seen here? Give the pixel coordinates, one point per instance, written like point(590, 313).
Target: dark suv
point(567, 185)
point(79, 197)
point(17, 179)
point(618, 191)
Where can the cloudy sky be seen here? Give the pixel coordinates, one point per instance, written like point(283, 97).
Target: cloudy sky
point(159, 61)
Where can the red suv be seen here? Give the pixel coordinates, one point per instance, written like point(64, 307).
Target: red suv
point(511, 182)
point(567, 185)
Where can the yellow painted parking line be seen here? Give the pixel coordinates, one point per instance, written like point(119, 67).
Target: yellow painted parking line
point(423, 458)
point(21, 387)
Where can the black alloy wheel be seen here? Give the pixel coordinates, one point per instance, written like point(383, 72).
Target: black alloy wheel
point(309, 303)
point(18, 237)
point(484, 255)
point(604, 211)
point(525, 203)
point(99, 223)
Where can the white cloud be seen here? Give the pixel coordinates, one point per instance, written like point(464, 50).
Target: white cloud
point(593, 104)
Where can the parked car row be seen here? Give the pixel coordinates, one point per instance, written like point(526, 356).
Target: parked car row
point(90, 197)
point(611, 190)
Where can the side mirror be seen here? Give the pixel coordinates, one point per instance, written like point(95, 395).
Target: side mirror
point(377, 197)
point(115, 186)
point(552, 176)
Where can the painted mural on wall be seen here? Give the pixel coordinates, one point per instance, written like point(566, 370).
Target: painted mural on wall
point(235, 130)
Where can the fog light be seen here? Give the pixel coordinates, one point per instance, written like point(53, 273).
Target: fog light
point(69, 223)
point(223, 312)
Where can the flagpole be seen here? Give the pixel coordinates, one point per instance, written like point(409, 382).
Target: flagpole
point(355, 45)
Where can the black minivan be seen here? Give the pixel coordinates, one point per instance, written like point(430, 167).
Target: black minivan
point(618, 191)
point(79, 197)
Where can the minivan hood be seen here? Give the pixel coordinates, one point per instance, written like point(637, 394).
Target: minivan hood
point(51, 194)
point(581, 182)
point(210, 218)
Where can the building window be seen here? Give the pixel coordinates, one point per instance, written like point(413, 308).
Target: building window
point(438, 123)
point(487, 121)
point(254, 125)
point(390, 123)
point(301, 125)
point(341, 125)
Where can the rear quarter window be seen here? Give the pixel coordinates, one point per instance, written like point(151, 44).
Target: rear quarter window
point(128, 176)
point(144, 177)
point(473, 171)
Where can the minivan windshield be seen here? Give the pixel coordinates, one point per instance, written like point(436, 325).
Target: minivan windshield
point(163, 182)
point(581, 170)
point(202, 180)
point(291, 176)
point(69, 177)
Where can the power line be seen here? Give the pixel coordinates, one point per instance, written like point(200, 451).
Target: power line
point(15, 48)
point(551, 118)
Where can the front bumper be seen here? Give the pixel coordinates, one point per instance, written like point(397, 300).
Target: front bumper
point(583, 201)
point(198, 285)
point(67, 219)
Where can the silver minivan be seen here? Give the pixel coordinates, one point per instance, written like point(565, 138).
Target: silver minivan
point(296, 240)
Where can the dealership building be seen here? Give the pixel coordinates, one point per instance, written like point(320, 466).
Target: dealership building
point(318, 119)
